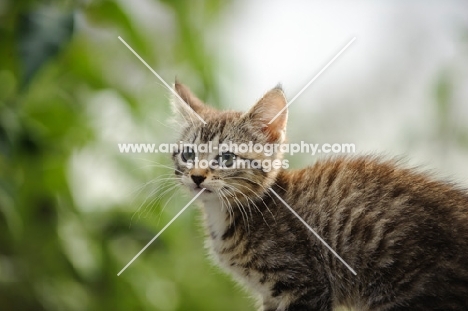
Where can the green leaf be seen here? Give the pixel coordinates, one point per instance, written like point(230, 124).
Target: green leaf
point(41, 35)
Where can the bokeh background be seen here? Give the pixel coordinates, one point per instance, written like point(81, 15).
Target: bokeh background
point(74, 211)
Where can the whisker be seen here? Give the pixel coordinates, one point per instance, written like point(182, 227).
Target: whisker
point(241, 208)
point(252, 182)
point(253, 203)
point(232, 219)
point(139, 210)
point(157, 164)
point(168, 200)
point(259, 197)
point(157, 199)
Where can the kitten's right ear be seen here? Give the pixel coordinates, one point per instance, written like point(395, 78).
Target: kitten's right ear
point(187, 105)
point(270, 114)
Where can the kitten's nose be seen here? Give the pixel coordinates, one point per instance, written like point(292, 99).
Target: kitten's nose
point(198, 179)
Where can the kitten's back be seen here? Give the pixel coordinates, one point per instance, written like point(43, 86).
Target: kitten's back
point(405, 234)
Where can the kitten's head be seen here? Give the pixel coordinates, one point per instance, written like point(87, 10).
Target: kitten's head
point(240, 162)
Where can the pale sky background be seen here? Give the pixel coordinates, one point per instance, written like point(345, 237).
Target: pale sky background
point(379, 94)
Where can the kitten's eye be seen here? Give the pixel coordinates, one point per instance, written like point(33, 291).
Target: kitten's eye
point(227, 159)
point(188, 155)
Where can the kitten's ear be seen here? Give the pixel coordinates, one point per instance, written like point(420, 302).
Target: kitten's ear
point(270, 114)
point(186, 104)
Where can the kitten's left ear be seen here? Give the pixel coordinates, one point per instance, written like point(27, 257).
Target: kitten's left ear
point(270, 113)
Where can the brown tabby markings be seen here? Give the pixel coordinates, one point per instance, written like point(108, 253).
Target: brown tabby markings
point(404, 233)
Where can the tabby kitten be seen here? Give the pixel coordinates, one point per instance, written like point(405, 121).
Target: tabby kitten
point(405, 234)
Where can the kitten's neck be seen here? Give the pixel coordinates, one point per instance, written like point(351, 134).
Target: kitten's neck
point(218, 218)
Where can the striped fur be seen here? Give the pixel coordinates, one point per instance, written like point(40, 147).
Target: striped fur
point(404, 233)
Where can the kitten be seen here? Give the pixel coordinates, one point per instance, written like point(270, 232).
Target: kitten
point(405, 234)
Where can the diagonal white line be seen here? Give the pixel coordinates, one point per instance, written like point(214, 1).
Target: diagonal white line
point(159, 233)
point(315, 233)
point(159, 77)
point(314, 78)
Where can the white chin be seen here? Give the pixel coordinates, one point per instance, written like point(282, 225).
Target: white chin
point(207, 195)
point(197, 190)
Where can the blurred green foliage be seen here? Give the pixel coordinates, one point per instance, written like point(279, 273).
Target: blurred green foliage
point(69, 91)
point(56, 59)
